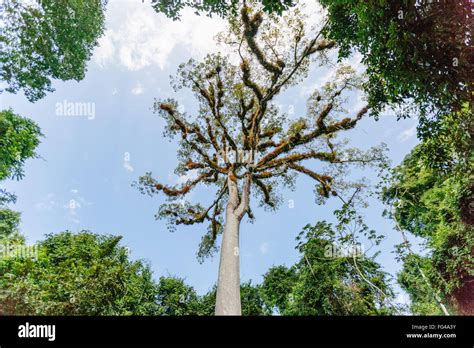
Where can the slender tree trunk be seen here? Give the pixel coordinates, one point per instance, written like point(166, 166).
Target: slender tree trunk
point(228, 283)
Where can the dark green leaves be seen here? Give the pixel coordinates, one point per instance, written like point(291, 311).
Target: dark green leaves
point(415, 51)
point(77, 274)
point(19, 138)
point(47, 40)
point(429, 194)
point(327, 283)
point(173, 8)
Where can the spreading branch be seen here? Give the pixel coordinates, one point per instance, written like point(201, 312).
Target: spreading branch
point(238, 141)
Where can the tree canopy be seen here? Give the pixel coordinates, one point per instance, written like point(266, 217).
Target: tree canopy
point(175, 297)
point(429, 195)
point(419, 59)
point(9, 224)
point(239, 135)
point(19, 138)
point(221, 8)
point(414, 50)
point(47, 39)
point(421, 292)
point(89, 274)
point(334, 275)
point(77, 274)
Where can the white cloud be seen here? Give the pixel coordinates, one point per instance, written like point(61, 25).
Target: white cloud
point(264, 247)
point(138, 89)
point(104, 53)
point(137, 37)
point(315, 13)
point(74, 190)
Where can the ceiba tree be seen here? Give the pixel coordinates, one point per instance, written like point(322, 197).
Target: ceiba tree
point(241, 143)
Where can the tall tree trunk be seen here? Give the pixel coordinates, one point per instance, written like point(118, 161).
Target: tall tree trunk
point(228, 282)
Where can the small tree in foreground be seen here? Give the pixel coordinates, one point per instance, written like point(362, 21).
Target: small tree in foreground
point(334, 276)
point(241, 143)
point(75, 274)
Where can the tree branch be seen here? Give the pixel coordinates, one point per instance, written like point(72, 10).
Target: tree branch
point(324, 156)
point(176, 192)
point(298, 139)
point(245, 200)
point(265, 191)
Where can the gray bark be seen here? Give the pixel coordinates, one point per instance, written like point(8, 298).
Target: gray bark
point(228, 283)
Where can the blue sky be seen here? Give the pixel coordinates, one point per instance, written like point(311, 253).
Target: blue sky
point(88, 163)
